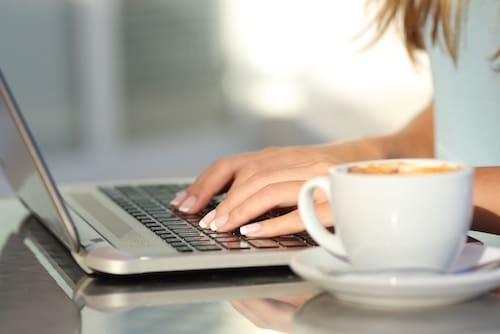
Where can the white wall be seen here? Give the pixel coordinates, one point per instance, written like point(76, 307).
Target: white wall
point(290, 73)
point(302, 59)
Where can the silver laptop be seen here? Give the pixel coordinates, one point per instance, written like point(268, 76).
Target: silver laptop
point(124, 228)
point(35, 245)
point(78, 301)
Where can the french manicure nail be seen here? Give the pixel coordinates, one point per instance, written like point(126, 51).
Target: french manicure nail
point(187, 204)
point(218, 222)
point(250, 228)
point(179, 197)
point(205, 221)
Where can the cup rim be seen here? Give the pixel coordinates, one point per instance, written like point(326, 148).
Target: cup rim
point(341, 169)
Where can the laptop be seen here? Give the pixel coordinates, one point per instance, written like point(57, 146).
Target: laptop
point(125, 228)
point(152, 304)
point(116, 293)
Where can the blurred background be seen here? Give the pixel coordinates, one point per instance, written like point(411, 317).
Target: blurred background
point(118, 89)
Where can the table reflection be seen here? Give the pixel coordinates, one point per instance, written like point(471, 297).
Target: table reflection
point(43, 290)
point(323, 313)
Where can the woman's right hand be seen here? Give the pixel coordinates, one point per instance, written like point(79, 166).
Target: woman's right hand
point(257, 182)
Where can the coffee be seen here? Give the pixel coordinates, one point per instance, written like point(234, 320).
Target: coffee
point(401, 168)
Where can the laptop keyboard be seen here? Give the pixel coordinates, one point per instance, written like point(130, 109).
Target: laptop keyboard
point(150, 205)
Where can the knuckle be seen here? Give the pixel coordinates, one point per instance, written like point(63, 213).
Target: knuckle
point(224, 206)
point(239, 215)
point(270, 192)
point(247, 171)
point(221, 164)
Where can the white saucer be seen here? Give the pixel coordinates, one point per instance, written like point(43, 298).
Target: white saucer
point(389, 291)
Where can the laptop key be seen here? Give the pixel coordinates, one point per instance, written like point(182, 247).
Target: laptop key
point(263, 243)
point(220, 234)
point(233, 245)
point(150, 205)
point(226, 239)
point(146, 220)
point(196, 238)
point(293, 243)
point(183, 249)
point(204, 248)
point(177, 243)
point(157, 228)
point(171, 239)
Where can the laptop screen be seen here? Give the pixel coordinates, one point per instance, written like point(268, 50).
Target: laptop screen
point(26, 172)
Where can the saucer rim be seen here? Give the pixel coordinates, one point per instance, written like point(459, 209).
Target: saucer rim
point(409, 293)
point(345, 281)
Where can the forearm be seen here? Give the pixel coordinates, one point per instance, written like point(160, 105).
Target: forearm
point(414, 140)
point(486, 216)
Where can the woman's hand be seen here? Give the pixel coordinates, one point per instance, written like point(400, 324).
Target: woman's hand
point(258, 182)
point(274, 190)
point(230, 171)
point(271, 179)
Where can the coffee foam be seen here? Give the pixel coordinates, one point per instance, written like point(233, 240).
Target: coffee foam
point(401, 168)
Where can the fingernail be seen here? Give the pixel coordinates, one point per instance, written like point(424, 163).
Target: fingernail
point(179, 197)
point(205, 221)
point(214, 226)
point(187, 204)
point(250, 228)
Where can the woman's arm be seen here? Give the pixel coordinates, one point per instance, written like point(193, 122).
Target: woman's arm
point(416, 139)
point(257, 182)
point(487, 200)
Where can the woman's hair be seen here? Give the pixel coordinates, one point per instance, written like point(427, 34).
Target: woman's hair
point(415, 13)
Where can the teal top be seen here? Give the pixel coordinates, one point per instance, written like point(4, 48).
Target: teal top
point(467, 94)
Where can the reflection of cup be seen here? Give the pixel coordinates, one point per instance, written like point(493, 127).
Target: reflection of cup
point(393, 215)
point(325, 314)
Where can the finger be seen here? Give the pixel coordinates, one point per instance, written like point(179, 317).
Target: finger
point(216, 178)
point(286, 224)
point(284, 158)
point(271, 196)
point(208, 184)
point(239, 194)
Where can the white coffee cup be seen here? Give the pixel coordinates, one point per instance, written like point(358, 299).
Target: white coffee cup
point(405, 221)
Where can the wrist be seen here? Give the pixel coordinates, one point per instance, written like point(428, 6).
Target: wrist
point(371, 148)
point(409, 144)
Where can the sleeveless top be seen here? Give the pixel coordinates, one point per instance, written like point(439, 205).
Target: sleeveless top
point(467, 94)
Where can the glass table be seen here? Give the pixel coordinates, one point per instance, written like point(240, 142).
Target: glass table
point(43, 291)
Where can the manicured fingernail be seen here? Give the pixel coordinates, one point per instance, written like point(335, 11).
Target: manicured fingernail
point(214, 226)
point(187, 204)
point(250, 228)
point(179, 197)
point(205, 221)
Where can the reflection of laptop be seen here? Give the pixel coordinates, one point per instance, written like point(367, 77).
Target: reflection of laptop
point(111, 293)
point(124, 228)
point(43, 305)
point(77, 302)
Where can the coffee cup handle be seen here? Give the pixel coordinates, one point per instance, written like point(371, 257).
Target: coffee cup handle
point(316, 230)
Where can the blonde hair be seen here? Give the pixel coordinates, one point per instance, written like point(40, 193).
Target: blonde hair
point(415, 13)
